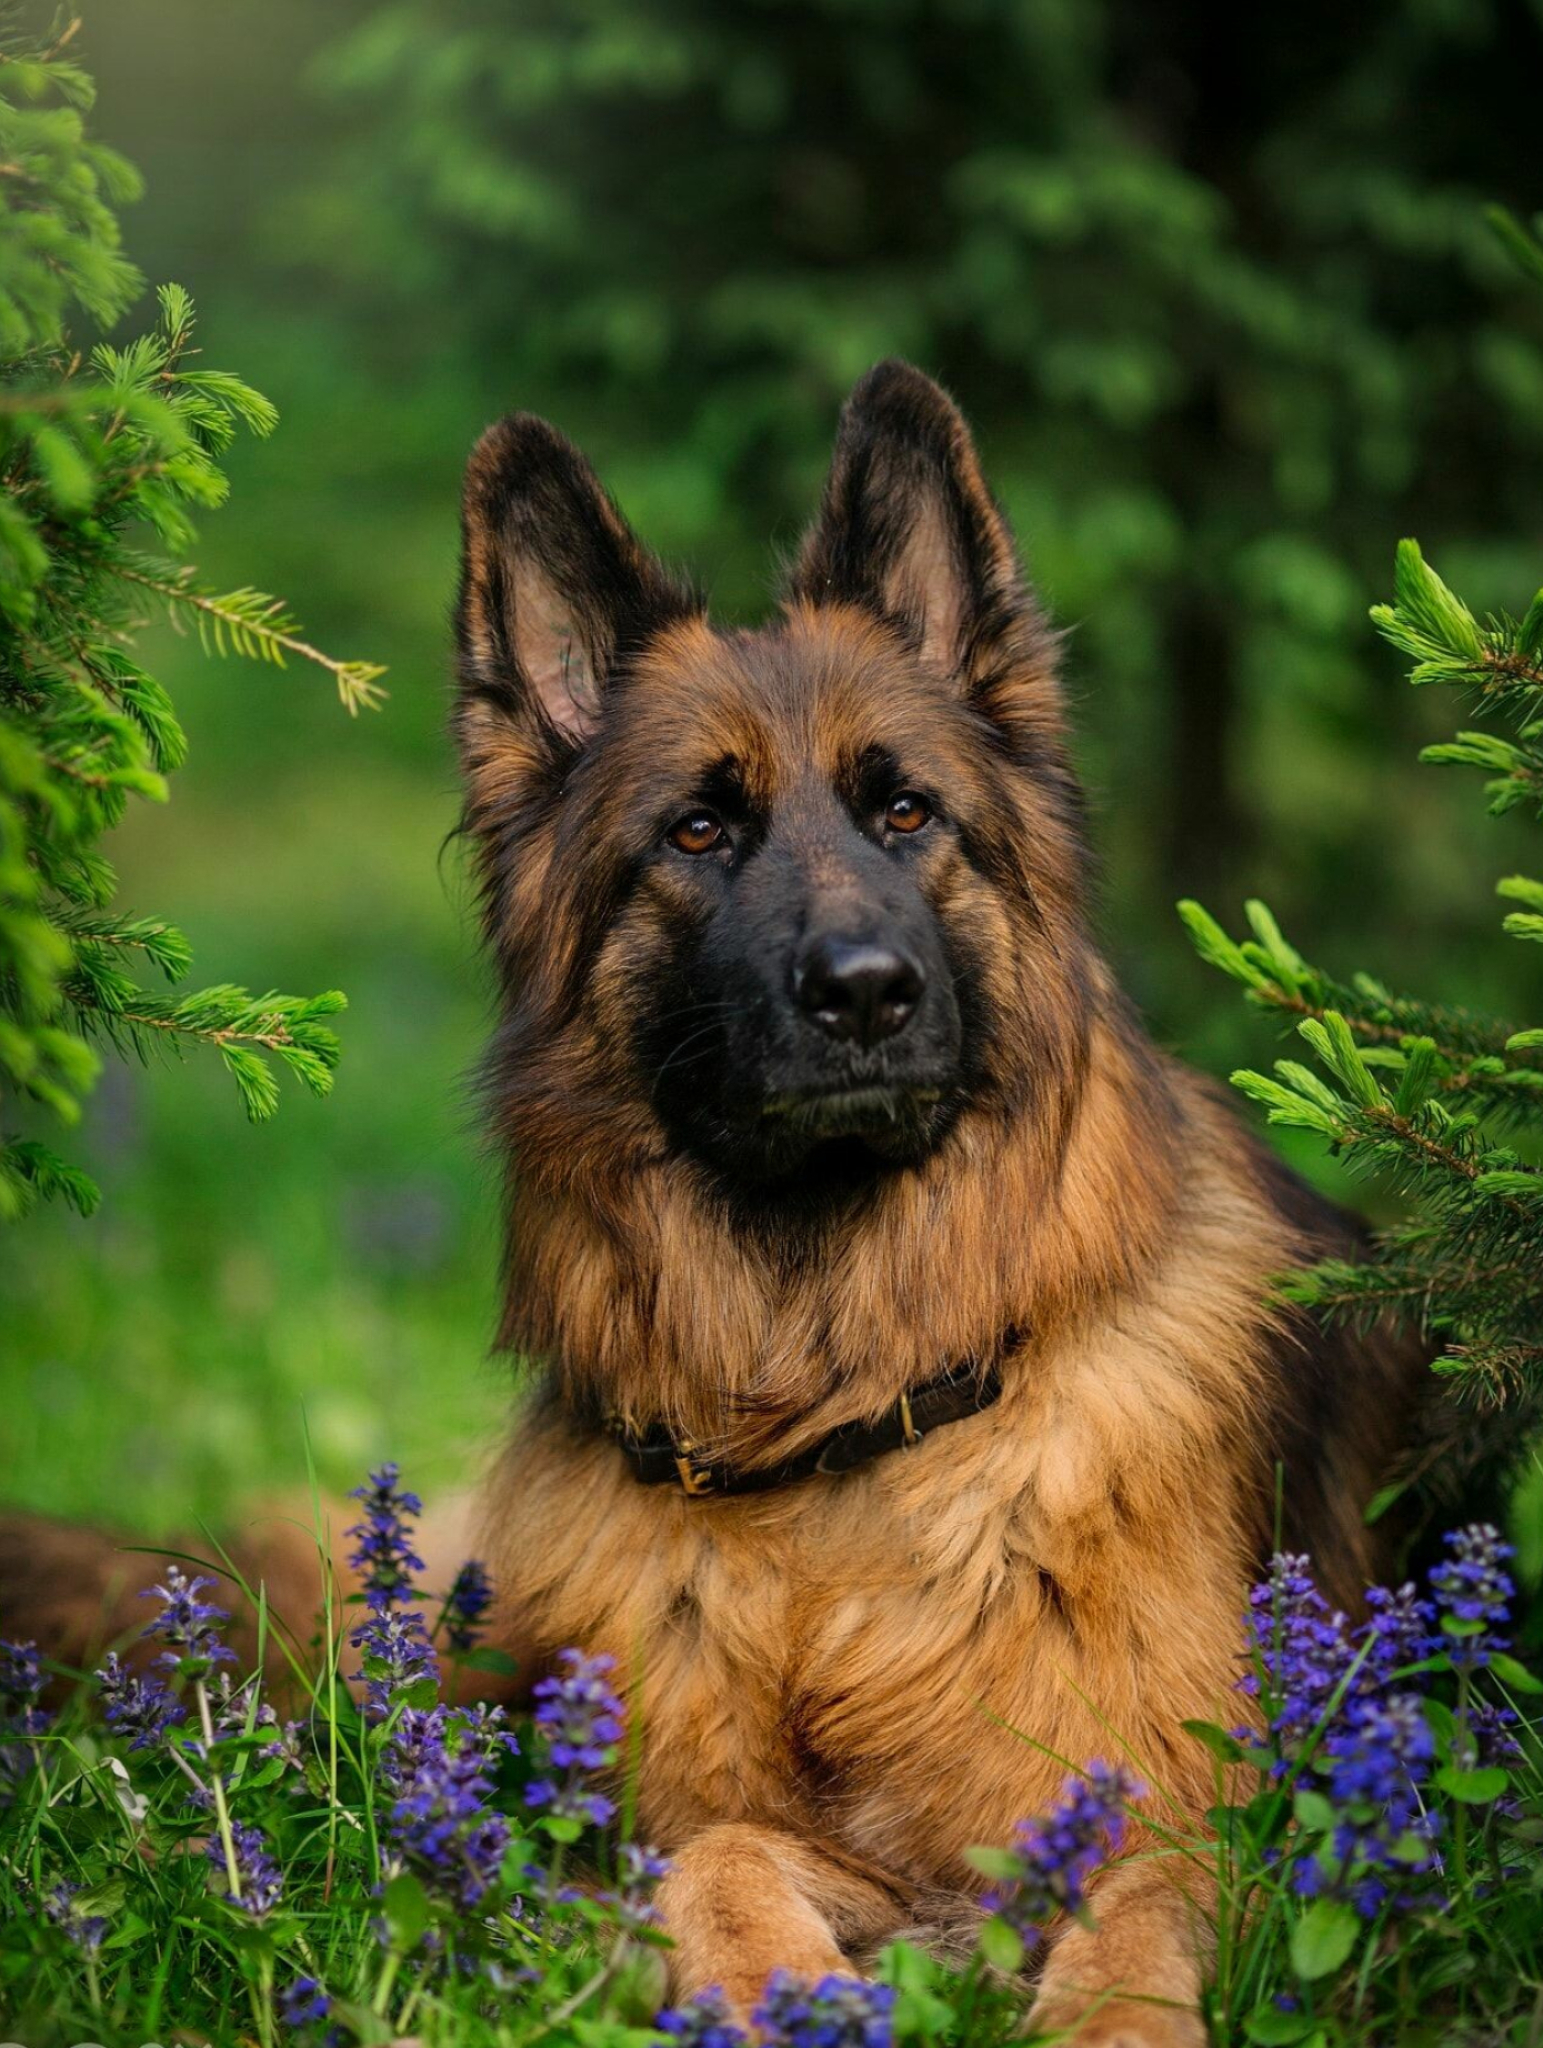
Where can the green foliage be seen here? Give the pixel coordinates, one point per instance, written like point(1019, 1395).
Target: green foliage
point(105, 456)
point(1445, 1106)
point(1209, 307)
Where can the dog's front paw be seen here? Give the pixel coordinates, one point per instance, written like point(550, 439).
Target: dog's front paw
point(1088, 2021)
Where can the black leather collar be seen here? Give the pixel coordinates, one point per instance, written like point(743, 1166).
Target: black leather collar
point(658, 1459)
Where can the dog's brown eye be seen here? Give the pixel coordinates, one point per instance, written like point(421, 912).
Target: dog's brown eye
point(907, 812)
point(697, 832)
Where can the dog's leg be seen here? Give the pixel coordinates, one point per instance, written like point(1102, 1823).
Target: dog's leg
point(742, 1900)
point(74, 1590)
point(1132, 1979)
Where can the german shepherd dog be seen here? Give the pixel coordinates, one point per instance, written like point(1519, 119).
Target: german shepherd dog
point(911, 1378)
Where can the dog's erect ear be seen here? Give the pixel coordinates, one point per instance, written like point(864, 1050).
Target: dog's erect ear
point(556, 592)
point(908, 528)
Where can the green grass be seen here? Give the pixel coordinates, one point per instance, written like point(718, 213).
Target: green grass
point(155, 1359)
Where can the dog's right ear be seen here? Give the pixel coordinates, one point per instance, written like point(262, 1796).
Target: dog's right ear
point(556, 594)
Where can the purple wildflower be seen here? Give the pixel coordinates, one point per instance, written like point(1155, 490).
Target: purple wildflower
point(416, 1739)
point(398, 1647)
point(1491, 1728)
point(190, 1626)
point(638, 1871)
point(1057, 1852)
point(1472, 1590)
point(393, 1639)
point(1377, 1768)
point(469, 1600)
point(702, 2022)
point(142, 1709)
point(580, 1718)
point(1397, 1630)
point(385, 1553)
point(304, 2004)
point(232, 1707)
point(21, 1676)
point(21, 1717)
point(285, 1746)
point(838, 2012)
point(1317, 1669)
point(262, 1881)
point(1303, 1649)
point(1373, 1761)
point(85, 1929)
point(486, 1726)
point(440, 1824)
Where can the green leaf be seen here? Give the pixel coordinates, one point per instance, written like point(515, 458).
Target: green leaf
point(1472, 1787)
point(1001, 1946)
point(1334, 1044)
point(1513, 1675)
point(1285, 1105)
point(1426, 604)
point(1287, 962)
point(253, 1077)
point(405, 1908)
point(100, 1901)
point(1313, 1812)
point(366, 2025)
point(1224, 1747)
point(130, 1928)
point(1214, 946)
point(485, 1658)
point(640, 1985)
point(1383, 1499)
point(1514, 1184)
point(1323, 1938)
point(1521, 889)
point(1272, 2028)
point(1417, 1080)
point(1442, 1723)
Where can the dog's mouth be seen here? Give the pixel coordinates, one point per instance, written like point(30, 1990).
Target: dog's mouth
point(873, 1110)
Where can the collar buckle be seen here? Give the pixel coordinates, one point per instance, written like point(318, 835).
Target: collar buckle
point(910, 1434)
point(695, 1479)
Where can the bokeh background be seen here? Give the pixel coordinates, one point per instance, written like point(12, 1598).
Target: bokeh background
point(1214, 284)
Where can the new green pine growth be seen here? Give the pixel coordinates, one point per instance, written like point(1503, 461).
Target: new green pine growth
point(107, 453)
point(1444, 1106)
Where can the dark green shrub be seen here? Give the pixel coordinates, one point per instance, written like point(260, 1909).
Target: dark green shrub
point(106, 453)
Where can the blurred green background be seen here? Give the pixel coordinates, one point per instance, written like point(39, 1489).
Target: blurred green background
point(1213, 283)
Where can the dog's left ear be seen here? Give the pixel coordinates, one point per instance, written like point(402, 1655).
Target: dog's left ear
point(908, 528)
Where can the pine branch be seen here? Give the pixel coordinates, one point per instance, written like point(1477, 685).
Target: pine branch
point(1413, 1093)
point(162, 944)
point(1474, 1053)
point(241, 1028)
point(30, 1173)
point(249, 622)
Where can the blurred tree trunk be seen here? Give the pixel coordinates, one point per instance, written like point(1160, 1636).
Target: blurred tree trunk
point(1205, 833)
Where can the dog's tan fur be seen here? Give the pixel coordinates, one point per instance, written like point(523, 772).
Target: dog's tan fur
point(844, 1683)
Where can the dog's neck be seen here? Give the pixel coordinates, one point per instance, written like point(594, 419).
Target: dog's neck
point(663, 1307)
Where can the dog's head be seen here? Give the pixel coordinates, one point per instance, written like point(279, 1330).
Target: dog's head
point(802, 898)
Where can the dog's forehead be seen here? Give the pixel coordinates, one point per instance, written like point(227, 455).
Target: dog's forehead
point(822, 687)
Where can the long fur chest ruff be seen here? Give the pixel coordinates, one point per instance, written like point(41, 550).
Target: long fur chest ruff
point(901, 1656)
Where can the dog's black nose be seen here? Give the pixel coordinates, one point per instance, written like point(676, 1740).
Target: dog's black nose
point(857, 989)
